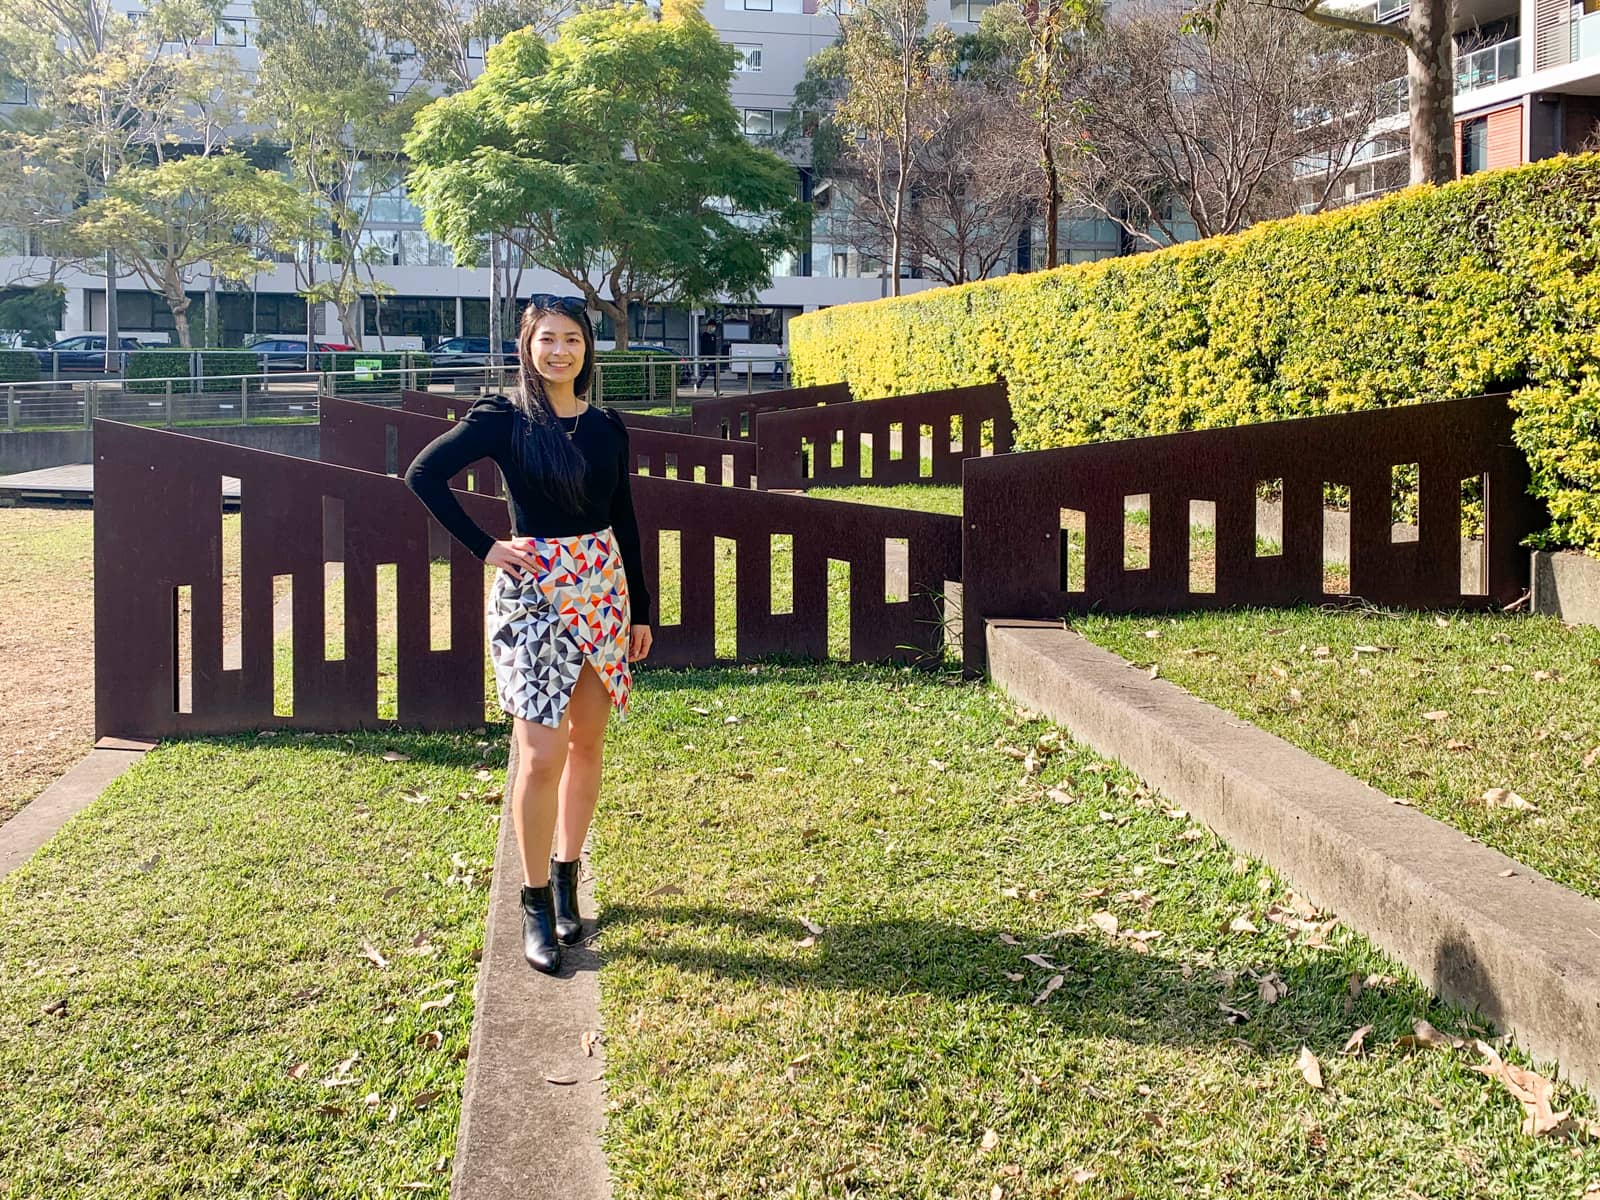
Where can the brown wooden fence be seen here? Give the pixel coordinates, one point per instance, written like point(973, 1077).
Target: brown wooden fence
point(882, 442)
point(372, 438)
point(735, 416)
point(1113, 527)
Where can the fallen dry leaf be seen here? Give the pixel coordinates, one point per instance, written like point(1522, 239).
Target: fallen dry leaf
point(1242, 924)
point(1310, 1068)
point(1271, 989)
point(1007, 940)
point(1191, 835)
point(561, 1080)
point(298, 1071)
point(589, 1040)
point(370, 953)
point(806, 942)
point(1499, 797)
point(423, 1099)
point(1424, 1034)
point(991, 1139)
point(1040, 961)
point(1107, 921)
point(1356, 1042)
point(811, 926)
point(1061, 797)
point(1081, 1176)
point(1234, 1016)
point(1532, 1090)
point(1055, 981)
point(438, 1002)
point(395, 756)
point(1438, 714)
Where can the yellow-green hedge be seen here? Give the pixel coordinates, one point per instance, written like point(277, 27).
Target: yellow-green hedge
point(1483, 285)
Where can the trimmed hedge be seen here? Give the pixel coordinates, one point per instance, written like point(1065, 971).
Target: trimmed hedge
point(388, 377)
point(1483, 285)
point(18, 366)
point(148, 370)
point(626, 382)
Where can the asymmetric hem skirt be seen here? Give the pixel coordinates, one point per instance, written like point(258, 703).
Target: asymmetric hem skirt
point(543, 629)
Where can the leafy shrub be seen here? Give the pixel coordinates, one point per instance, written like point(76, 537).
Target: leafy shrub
point(1486, 284)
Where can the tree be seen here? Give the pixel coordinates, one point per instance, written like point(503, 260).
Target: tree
point(1177, 128)
point(1430, 70)
point(169, 219)
point(1038, 53)
point(327, 89)
point(612, 158)
point(108, 92)
point(442, 35)
point(893, 96)
point(35, 315)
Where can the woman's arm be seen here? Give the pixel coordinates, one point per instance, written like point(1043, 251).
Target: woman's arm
point(479, 432)
point(626, 527)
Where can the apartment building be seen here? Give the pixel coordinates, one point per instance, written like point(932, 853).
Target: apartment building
point(1527, 86)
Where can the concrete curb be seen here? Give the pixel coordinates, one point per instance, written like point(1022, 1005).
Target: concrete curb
point(38, 820)
point(1566, 584)
point(1521, 949)
point(521, 1136)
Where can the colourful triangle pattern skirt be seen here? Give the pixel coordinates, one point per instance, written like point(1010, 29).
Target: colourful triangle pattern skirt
point(542, 630)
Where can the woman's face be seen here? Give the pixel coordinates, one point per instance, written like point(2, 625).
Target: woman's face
point(558, 348)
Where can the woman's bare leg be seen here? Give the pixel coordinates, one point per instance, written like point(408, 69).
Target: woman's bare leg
point(587, 714)
point(541, 757)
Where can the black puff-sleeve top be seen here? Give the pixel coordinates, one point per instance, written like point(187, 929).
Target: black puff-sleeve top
point(489, 430)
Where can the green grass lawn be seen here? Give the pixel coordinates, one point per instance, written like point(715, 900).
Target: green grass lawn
point(204, 925)
point(1438, 709)
point(752, 1055)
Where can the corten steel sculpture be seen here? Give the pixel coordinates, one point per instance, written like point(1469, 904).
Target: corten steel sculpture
point(435, 404)
point(1013, 534)
point(158, 528)
point(655, 452)
point(371, 438)
point(703, 459)
point(734, 416)
point(795, 445)
point(866, 536)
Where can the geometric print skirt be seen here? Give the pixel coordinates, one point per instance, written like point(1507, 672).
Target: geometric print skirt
point(542, 630)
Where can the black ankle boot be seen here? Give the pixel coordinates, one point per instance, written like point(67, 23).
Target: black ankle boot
point(564, 885)
point(539, 945)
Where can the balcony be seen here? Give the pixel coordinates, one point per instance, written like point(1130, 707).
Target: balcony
point(1393, 10)
point(1586, 37)
point(1491, 65)
point(1394, 98)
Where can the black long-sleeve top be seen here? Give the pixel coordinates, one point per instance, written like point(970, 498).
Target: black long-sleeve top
point(489, 430)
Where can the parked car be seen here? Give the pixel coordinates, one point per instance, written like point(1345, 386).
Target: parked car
point(465, 352)
point(83, 352)
point(685, 366)
point(289, 354)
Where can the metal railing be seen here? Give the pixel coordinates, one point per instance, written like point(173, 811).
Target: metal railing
point(1586, 37)
point(270, 397)
point(1490, 65)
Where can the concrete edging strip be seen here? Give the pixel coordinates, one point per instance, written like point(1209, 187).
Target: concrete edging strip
point(37, 821)
point(523, 1137)
point(1521, 949)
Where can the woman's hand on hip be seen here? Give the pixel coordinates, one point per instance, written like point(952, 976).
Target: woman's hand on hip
point(639, 640)
point(512, 559)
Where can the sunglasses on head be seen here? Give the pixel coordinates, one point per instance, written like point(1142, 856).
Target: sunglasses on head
point(571, 305)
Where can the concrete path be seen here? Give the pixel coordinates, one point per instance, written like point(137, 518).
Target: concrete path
point(47, 812)
point(534, 1103)
point(1478, 928)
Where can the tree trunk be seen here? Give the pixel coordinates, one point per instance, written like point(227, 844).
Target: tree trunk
point(496, 329)
point(113, 328)
point(1052, 207)
point(180, 319)
point(348, 323)
point(1432, 84)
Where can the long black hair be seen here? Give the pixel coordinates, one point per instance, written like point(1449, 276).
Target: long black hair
point(543, 448)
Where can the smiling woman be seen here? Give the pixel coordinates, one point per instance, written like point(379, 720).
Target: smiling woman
point(569, 610)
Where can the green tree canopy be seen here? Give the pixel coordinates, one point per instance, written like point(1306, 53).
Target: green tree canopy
point(612, 157)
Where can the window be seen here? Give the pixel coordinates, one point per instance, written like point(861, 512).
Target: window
point(841, 263)
point(13, 91)
point(1183, 81)
point(232, 31)
point(758, 5)
point(1474, 145)
point(758, 122)
point(748, 58)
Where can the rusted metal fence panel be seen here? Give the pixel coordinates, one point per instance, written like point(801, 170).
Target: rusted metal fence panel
point(436, 404)
point(386, 440)
point(735, 416)
point(158, 529)
point(654, 422)
point(697, 459)
point(1019, 559)
point(915, 553)
point(881, 442)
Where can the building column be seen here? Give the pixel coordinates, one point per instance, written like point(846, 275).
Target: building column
point(75, 312)
point(461, 326)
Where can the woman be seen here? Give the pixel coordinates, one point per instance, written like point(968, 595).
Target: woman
point(569, 610)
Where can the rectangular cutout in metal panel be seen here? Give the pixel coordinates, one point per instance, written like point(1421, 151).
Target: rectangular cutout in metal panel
point(1136, 532)
point(1474, 542)
point(1074, 531)
point(388, 634)
point(1202, 546)
point(782, 565)
point(896, 570)
point(839, 609)
point(183, 649)
point(725, 610)
point(669, 576)
point(1269, 537)
point(283, 650)
point(1335, 549)
point(232, 567)
point(1404, 508)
